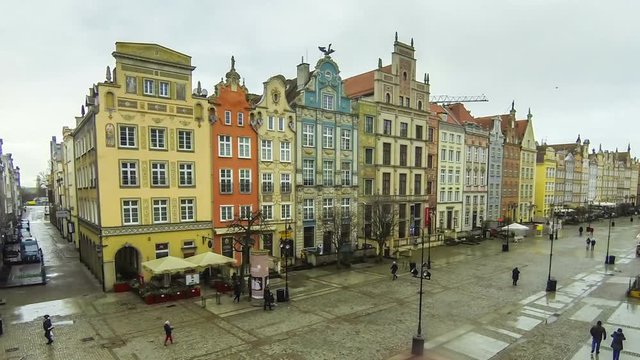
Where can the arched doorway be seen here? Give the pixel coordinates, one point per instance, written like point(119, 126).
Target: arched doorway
point(127, 263)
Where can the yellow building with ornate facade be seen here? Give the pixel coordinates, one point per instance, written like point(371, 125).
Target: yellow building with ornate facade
point(143, 165)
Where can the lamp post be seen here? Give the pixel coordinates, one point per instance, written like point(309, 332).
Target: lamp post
point(417, 345)
point(431, 210)
point(551, 283)
point(607, 259)
point(285, 250)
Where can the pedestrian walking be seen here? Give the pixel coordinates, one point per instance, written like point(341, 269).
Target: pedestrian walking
point(598, 333)
point(48, 329)
point(588, 243)
point(394, 270)
point(593, 244)
point(616, 343)
point(580, 230)
point(267, 299)
point(236, 291)
point(515, 275)
point(168, 330)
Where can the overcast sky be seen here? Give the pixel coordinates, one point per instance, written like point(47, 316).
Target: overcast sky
point(574, 63)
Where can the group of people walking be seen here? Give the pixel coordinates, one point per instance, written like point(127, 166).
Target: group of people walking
point(598, 333)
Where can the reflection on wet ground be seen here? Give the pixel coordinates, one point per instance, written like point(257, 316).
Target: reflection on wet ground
point(31, 312)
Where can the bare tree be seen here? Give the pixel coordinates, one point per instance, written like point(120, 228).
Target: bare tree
point(381, 220)
point(247, 228)
point(340, 227)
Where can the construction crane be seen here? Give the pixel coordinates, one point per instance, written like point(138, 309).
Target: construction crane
point(446, 99)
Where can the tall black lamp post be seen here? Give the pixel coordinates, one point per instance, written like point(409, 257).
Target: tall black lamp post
point(609, 259)
point(552, 283)
point(430, 218)
point(286, 250)
point(417, 345)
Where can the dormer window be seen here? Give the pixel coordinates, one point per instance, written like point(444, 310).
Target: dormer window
point(327, 101)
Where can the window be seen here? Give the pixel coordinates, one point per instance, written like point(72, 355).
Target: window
point(443, 136)
point(386, 127)
point(187, 210)
point(159, 174)
point(403, 155)
point(443, 175)
point(267, 212)
point(308, 171)
point(270, 123)
point(226, 181)
point(404, 129)
point(285, 183)
point(387, 98)
point(245, 181)
point(450, 155)
point(186, 174)
point(128, 173)
point(451, 137)
point(162, 250)
point(417, 184)
point(368, 156)
point(458, 156)
point(430, 134)
point(346, 173)
point(285, 151)
point(244, 147)
point(227, 117)
point(345, 139)
point(226, 212)
point(240, 119)
point(429, 187)
point(458, 176)
point(245, 212)
point(164, 89)
point(130, 212)
point(368, 186)
point(160, 211)
point(128, 136)
point(285, 211)
point(407, 102)
point(430, 163)
point(418, 157)
point(327, 137)
point(280, 124)
point(450, 176)
point(308, 135)
point(467, 177)
point(267, 183)
point(266, 150)
point(327, 208)
point(307, 209)
point(458, 139)
point(185, 140)
point(402, 184)
point(386, 183)
point(327, 173)
point(224, 146)
point(419, 132)
point(401, 100)
point(386, 154)
point(346, 207)
point(368, 124)
point(327, 102)
point(443, 155)
point(419, 105)
point(149, 87)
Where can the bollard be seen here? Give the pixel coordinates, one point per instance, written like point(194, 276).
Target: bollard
point(218, 298)
point(204, 301)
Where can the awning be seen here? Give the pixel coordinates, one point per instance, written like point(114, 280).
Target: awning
point(168, 265)
point(208, 259)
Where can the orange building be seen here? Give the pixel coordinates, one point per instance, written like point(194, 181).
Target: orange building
point(234, 169)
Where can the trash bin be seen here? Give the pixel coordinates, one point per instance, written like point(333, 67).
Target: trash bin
point(281, 295)
point(505, 247)
point(551, 284)
point(611, 259)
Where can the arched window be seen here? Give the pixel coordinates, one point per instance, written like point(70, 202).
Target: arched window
point(388, 98)
point(419, 104)
point(404, 75)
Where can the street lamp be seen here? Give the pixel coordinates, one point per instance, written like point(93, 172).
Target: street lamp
point(431, 211)
point(417, 345)
point(551, 283)
point(286, 249)
point(608, 260)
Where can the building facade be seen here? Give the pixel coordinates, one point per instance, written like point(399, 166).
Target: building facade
point(526, 186)
point(474, 206)
point(495, 161)
point(10, 198)
point(450, 181)
point(545, 182)
point(143, 124)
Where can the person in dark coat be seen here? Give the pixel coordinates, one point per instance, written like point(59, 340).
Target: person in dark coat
point(598, 333)
point(236, 291)
point(580, 230)
point(593, 243)
point(48, 327)
point(168, 329)
point(515, 275)
point(588, 242)
point(267, 298)
point(616, 343)
point(394, 270)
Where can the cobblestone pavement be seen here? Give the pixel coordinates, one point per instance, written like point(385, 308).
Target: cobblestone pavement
point(470, 310)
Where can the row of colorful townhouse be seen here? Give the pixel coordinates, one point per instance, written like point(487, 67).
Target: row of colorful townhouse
point(153, 169)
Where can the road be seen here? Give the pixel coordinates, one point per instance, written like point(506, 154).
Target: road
point(471, 309)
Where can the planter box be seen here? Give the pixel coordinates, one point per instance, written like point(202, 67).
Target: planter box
point(195, 292)
point(149, 299)
point(121, 287)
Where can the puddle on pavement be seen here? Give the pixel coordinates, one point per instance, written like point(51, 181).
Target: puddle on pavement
point(37, 311)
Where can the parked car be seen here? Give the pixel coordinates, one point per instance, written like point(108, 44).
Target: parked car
point(24, 224)
point(12, 256)
point(25, 233)
point(30, 250)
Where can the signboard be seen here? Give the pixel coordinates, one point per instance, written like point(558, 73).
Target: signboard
point(192, 279)
point(62, 214)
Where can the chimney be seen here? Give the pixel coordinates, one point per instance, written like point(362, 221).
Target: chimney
point(303, 74)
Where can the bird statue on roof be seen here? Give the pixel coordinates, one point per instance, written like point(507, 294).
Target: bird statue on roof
point(326, 50)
